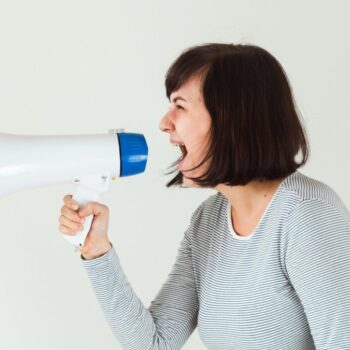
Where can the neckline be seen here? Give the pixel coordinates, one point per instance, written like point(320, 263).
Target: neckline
point(229, 218)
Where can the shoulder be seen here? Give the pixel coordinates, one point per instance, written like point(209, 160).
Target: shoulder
point(208, 218)
point(210, 207)
point(316, 207)
point(308, 189)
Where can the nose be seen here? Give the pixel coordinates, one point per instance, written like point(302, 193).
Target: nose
point(166, 124)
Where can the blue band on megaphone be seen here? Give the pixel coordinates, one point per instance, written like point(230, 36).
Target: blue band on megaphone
point(133, 153)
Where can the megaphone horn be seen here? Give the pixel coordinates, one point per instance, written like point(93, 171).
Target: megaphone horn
point(90, 162)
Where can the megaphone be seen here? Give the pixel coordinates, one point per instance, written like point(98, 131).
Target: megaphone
point(90, 162)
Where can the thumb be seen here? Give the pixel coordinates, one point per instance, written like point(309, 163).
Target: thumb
point(91, 208)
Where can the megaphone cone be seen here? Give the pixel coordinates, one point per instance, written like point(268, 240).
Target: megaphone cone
point(88, 161)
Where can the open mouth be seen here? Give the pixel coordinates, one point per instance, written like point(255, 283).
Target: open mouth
point(183, 151)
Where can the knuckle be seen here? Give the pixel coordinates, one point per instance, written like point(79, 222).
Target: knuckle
point(106, 210)
point(66, 212)
point(73, 205)
point(103, 207)
point(67, 197)
point(63, 209)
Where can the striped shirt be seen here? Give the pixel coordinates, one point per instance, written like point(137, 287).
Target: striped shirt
point(284, 287)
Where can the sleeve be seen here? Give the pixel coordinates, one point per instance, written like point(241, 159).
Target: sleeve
point(172, 315)
point(318, 266)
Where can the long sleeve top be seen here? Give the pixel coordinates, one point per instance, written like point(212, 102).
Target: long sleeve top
point(286, 286)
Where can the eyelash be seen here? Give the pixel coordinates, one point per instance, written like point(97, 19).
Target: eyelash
point(179, 107)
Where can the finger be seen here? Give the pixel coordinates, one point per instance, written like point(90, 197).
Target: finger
point(66, 230)
point(70, 224)
point(67, 197)
point(71, 215)
point(70, 202)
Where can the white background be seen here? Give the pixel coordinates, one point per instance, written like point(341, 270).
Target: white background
point(84, 67)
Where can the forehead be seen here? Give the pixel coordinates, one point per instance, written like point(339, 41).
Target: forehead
point(191, 90)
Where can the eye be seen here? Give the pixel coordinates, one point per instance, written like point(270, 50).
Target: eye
point(179, 107)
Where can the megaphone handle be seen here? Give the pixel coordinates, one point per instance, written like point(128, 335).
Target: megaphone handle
point(82, 196)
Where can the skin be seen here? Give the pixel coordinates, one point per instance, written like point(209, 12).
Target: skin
point(71, 221)
point(187, 121)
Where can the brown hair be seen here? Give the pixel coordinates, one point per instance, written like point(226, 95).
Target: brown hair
point(255, 131)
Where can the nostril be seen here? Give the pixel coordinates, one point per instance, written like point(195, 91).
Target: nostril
point(164, 129)
point(162, 126)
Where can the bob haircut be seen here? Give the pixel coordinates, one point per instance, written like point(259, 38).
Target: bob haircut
point(255, 131)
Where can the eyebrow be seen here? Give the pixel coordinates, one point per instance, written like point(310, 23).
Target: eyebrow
point(178, 98)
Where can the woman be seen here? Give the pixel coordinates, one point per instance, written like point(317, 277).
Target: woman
point(265, 262)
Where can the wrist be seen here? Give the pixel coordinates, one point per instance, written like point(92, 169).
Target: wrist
point(96, 251)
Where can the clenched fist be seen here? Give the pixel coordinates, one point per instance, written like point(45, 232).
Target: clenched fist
point(72, 220)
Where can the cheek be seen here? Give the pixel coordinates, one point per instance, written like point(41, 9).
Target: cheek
point(199, 144)
point(195, 134)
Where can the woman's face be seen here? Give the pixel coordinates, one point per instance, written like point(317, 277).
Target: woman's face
point(188, 122)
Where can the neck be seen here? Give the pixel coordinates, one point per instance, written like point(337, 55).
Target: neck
point(250, 199)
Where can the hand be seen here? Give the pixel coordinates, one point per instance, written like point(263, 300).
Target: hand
point(72, 220)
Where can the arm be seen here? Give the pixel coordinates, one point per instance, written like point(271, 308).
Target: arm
point(318, 266)
point(172, 315)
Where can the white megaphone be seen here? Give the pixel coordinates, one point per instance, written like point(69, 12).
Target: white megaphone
point(88, 161)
